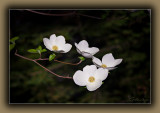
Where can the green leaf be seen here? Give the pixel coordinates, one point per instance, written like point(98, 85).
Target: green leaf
point(38, 51)
point(39, 48)
point(85, 87)
point(102, 82)
point(81, 58)
point(32, 51)
point(43, 50)
point(11, 46)
point(51, 57)
point(14, 39)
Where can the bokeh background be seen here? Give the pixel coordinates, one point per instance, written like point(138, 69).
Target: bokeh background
point(124, 33)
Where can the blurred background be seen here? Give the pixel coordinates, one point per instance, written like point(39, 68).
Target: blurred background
point(124, 33)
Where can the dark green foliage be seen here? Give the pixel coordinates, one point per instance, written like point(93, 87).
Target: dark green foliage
point(124, 33)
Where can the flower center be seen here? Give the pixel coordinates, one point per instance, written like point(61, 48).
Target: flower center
point(55, 48)
point(103, 66)
point(91, 79)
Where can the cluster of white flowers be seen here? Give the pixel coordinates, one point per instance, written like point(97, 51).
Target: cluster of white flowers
point(91, 76)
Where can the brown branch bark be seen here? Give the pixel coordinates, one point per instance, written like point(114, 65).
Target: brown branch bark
point(35, 61)
point(49, 14)
point(60, 61)
point(64, 14)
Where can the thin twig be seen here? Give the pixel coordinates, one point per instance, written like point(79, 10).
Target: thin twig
point(41, 66)
point(64, 14)
point(60, 61)
point(23, 56)
point(41, 59)
point(49, 14)
point(68, 62)
point(51, 71)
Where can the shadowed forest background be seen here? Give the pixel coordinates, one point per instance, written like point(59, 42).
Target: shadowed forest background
point(124, 33)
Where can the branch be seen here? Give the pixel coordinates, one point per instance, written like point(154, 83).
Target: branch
point(35, 61)
point(49, 14)
point(64, 14)
point(60, 61)
point(69, 63)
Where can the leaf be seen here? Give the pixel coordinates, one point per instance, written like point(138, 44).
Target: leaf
point(43, 50)
point(32, 51)
point(38, 51)
point(14, 39)
point(51, 57)
point(11, 46)
point(39, 48)
point(81, 58)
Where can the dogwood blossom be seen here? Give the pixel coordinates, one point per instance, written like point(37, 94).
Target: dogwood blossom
point(91, 77)
point(108, 62)
point(57, 44)
point(84, 49)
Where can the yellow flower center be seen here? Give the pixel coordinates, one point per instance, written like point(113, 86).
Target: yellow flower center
point(91, 79)
point(103, 66)
point(55, 48)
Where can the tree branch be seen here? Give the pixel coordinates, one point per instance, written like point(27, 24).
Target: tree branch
point(49, 14)
point(60, 61)
point(68, 62)
point(35, 61)
point(64, 14)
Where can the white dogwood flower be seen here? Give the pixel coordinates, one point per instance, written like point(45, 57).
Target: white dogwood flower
point(91, 77)
point(57, 44)
point(108, 62)
point(84, 49)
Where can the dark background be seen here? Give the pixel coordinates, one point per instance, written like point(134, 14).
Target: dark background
point(124, 33)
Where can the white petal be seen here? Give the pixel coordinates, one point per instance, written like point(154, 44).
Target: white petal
point(78, 50)
point(80, 78)
point(53, 39)
point(92, 50)
point(66, 48)
point(87, 55)
point(117, 61)
point(47, 43)
point(96, 61)
point(82, 45)
point(95, 85)
point(90, 69)
point(76, 45)
point(60, 41)
point(101, 74)
point(108, 60)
